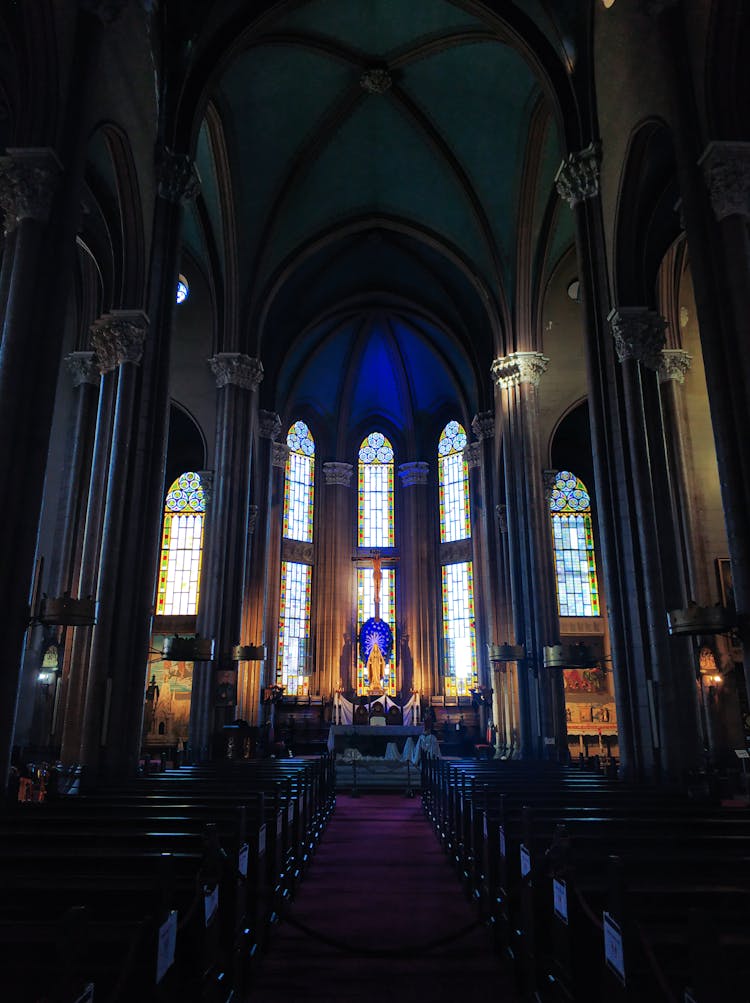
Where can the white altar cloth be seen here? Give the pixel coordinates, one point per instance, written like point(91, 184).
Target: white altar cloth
point(417, 742)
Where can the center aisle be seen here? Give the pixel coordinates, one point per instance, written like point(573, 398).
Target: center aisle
point(380, 883)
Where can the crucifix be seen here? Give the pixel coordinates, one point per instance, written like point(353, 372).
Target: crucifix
point(377, 574)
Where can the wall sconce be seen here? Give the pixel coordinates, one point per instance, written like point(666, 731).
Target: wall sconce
point(64, 611)
point(555, 656)
point(188, 649)
point(506, 652)
point(249, 653)
point(695, 619)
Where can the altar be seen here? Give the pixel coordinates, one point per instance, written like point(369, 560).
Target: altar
point(371, 739)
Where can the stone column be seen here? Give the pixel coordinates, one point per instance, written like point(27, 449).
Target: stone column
point(220, 617)
point(118, 340)
point(420, 661)
point(334, 579)
point(639, 340)
point(255, 624)
point(517, 378)
point(279, 456)
point(577, 183)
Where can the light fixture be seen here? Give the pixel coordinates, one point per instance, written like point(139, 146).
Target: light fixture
point(506, 652)
point(249, 653)
point(188, 649)
point(695, 619)
point(64, 611)
point(574, 290)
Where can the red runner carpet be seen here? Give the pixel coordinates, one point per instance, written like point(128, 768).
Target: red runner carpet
point(381, 886)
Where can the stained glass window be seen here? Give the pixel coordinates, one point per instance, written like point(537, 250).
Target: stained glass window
point(454, 484)
point(375, 495)
point(573, 542)
point(299, 483)
point(183, 290)
point(292, 668)
point(459, 630)
point(366, 609)
point(181, 548)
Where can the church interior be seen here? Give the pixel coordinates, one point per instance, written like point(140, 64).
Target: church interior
point(373, 379)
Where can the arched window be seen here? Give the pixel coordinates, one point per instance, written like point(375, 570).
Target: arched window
point(459, 629)
point(375, 494)
point(181, 548)
point(299, 484)
point(573, 542)
point(292, 667)
point(454, 484)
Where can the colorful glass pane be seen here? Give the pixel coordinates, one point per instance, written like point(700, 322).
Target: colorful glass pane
point(299, 484)
point(292, 667)
point(366, 609)
point(573, 543)
point(459, 629)
point(375, 493)
point(455, 521)
point(177, 591)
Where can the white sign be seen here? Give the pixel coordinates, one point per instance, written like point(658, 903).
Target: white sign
point(502, 841)
point(242, 860)
point(613, 952)
point(525, 861)
point(742, 753)
point(167, 944)
point(261, 841)
point(560, 899)
point(548, 740)
point(210, 902)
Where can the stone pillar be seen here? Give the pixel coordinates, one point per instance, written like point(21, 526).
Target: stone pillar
point(279, 456)
point(517, 378)
point(256, 627)
point(577, 183)
point(334, 580)
point(220, 617)
point(419, 644)
point(118, 340)
point(669, 668)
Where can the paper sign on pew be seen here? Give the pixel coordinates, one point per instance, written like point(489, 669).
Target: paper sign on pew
point(166, 947)
point(501, 833)
point(560, 899)
point(525, 861)
point(261, 840)
point(613, 951)
point(290, 814)
point(210, 902)
point(242, 859)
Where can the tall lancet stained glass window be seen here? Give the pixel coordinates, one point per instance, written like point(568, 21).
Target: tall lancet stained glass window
point(292, 668)
point(366, 609)
point(375, 494)
point(454, 484)
point(178, 587)
point(573, 541)
point(299, 484)
point(459, 629)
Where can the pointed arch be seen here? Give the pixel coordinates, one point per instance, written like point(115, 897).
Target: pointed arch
point(573, 544)
point(178, 587)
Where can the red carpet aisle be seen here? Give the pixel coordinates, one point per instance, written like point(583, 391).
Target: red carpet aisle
point(380, 882)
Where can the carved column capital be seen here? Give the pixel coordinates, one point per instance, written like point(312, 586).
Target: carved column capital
point(577, 178)
point(207, 483)
point(252, 518)
point(29, 179)
point(235, 369)
point(338, 473)
point(726, 169)
point(483, 425)
point(269, 425)
point(118, 337)
point(549, 477)
point(279, 454)
point(178, 177)
point(673, 364)
point(638, 334)
point(413, 473)
point(472, 454)
point(83, 368)
point(519, 367)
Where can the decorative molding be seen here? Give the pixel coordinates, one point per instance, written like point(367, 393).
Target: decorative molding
point(338, 473)
point(237, 370)
point(106, 10)
point(501, 517)
point(549, 477)
point(118, 337)
point(473, 455)
point(252, 518)
point(207, 483)
point(279, 454)
point(726, 169)
point(375, 80)
point(269, 425)
point(673, 364)
point(178, 177)
point(297, 551)
point(638, 334)
point(83, 367)
point(483, 425)
point(416, 472)
point(29, 179)
point(455, 551)
point(519, 367)
point(577, 178)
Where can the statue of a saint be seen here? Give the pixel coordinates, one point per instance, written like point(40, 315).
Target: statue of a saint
point(375, 669)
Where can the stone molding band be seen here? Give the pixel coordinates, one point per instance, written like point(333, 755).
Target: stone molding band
point(237, 370)
point(519, 367)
